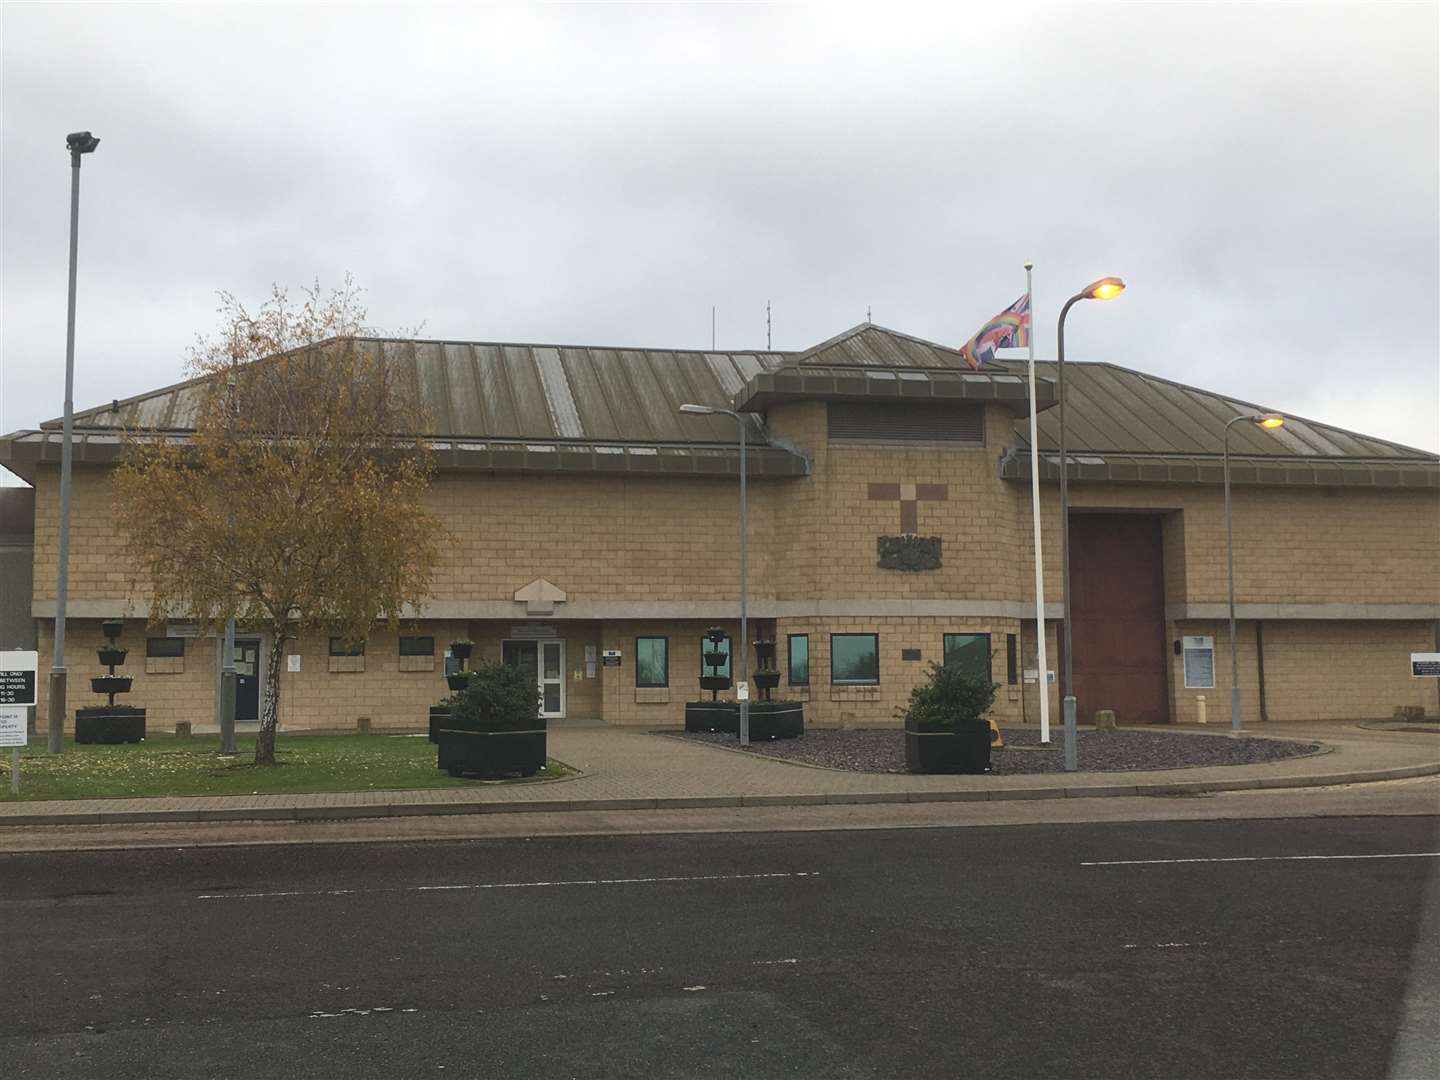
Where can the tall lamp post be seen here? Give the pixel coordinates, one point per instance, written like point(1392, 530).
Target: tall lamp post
point(707, 410)
point(1107, 288)
point(79, 142)
point(1268, 421)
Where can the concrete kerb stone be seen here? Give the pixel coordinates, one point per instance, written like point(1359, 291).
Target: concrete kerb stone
point(302, 812)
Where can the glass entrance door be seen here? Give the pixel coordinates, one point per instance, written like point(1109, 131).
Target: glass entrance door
point(544, 661)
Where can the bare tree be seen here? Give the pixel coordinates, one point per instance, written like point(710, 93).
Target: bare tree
point(296, 504)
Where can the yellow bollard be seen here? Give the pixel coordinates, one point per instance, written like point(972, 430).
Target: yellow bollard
point(1200, 708)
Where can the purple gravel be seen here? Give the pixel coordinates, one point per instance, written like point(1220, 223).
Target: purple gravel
point(883, 751)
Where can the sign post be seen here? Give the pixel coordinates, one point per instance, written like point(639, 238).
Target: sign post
point(17, 694)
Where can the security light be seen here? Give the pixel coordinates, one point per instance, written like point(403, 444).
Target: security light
point(81, 142)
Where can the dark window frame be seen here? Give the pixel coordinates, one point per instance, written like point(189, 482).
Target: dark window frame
point(652, 637)
point(790, 660)
point(1012, 659)
point(875, 637)
point(174, 645)
point(340, 647)
point(414, 649)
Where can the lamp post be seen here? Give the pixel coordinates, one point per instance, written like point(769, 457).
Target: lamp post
point(707, 410)
point(1107, 288)
point(79, 142)
point(1268, 421)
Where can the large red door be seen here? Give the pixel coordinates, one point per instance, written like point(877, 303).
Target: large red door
point(1117, 601)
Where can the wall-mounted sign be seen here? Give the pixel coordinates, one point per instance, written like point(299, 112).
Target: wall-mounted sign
point(1425, 665)
point(533, 630)
point(182, 629)
point(610, 658)
point(292, 662)
point(17, 677)
point(1199, 654)
point(1031, 674)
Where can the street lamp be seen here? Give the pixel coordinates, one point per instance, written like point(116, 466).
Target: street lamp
point(79, 142)
point(707, 410)
point(1107, 288)
point(1268, 421)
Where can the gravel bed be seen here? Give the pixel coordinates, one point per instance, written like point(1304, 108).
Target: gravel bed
point(883, 751)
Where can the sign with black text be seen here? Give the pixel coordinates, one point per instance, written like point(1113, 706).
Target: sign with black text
point(17, 677)
point(1425, 665)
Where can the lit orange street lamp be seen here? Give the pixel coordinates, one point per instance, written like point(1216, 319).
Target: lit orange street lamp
point(1268, 421)
point(1107, 288)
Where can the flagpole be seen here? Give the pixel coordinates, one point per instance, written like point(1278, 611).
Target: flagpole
point(1042, 670)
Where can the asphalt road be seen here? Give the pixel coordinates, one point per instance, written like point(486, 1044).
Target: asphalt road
point(1025, 951)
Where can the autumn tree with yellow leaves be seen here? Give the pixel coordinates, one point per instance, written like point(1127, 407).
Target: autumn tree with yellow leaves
point(296, 503)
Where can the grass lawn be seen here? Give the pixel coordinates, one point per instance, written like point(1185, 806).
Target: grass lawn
point(166, 765)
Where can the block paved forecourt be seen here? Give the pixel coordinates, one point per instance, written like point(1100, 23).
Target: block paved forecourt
point(635, 770)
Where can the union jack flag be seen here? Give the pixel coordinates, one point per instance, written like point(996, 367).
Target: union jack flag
point(1008, 330)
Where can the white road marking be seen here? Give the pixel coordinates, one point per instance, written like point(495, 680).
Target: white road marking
point(1170, 945)
point(510, 885)
point(692, 989)
point(791, 960)
point(1264, 858)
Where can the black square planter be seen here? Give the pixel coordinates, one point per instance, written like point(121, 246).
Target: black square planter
point(776, 719)
point(439, 718)
point(491, 753)
point(965, 751)
point(712, 716)
point(110, 724)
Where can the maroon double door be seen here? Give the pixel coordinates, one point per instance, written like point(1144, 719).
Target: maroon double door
point(1117, 602)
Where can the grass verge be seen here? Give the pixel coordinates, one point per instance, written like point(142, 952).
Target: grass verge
point(167, 765)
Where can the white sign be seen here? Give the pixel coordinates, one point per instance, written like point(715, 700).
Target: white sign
point(742, 691)
point(533, 631)
point(182, 629)
point(292, 662)
point(17, 677)
point(1199, 657)
point(1033, 675)
point(12, 727)
point(1425, 665)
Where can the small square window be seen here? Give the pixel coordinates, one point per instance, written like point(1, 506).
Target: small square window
point(799, 649)
point(165, 646)
point(341, 647)
point(854, 659)
point(417, 646)
point(652, 662)
point(970, 651)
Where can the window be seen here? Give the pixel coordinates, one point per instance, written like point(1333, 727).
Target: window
point(854, 659)
point(909, 421)
point(341, 647)
point(799, 647)
point(652, 661)
point(1012, 661)
point(416, 646)
point(706, 645)
point(453, 664)
point(165, 646)
point(970, 651)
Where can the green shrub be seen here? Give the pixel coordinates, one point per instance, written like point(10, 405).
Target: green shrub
point(497, 697)
point(950, 698)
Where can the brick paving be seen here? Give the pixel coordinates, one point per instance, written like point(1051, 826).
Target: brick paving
point(628, 768)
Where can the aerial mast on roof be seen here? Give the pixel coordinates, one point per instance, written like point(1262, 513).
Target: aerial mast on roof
point(712, 327)
point(867, 313)
point(767, 325)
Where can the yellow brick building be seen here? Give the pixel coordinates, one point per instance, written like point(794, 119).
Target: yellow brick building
point(596, 538)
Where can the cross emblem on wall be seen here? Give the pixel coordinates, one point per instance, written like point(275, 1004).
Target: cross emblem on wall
point(910, 496)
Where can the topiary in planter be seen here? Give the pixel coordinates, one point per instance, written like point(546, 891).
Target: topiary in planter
point(945, 726)
point(495, 727)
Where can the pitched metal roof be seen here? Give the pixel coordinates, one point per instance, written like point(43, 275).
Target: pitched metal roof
point(544, 407)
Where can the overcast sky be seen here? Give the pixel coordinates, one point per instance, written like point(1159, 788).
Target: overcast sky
point(1263, 176)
